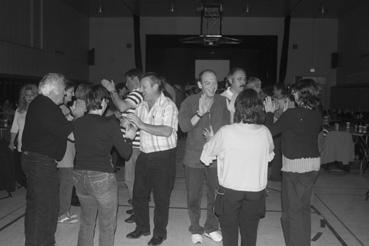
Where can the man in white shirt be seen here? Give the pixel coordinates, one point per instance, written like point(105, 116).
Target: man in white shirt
point(237, 81)
point(157, 119)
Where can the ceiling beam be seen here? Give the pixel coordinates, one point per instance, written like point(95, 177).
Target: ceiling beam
point(133, 9)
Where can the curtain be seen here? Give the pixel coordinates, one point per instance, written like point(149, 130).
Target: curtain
point(137, 42)
point(284, 53)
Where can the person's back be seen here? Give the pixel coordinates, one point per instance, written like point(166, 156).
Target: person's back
point(300, 129)
point(95, 136)
point(243, 151)
point(245, 157)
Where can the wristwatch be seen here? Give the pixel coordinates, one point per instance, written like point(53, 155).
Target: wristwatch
point(198, 115)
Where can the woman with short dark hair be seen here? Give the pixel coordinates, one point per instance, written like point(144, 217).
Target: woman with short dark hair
point(94, 178)
point(243, 150)
point(299, 128)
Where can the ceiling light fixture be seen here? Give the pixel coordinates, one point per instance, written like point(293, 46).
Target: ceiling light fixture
point(100, 8)
point(171, 9)
point(247, 9)
point(323, 10)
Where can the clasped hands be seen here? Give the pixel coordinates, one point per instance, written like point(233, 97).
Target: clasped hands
point(131, 123)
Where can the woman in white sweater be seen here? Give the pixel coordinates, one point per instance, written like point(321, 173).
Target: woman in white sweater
point(243, 150)
point(27, 93)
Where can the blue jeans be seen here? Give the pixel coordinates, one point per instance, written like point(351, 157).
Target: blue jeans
point(98, 195)
point(42, 203)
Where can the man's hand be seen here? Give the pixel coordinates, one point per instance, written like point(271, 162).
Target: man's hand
point(108, 84)
point(269, 105)
point(132, 118)
point(11, 147)
point(205, 104)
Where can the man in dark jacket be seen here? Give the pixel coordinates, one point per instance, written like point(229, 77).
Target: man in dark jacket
point(44, 142)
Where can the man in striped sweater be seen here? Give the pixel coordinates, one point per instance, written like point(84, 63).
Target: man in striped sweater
point(127, 106)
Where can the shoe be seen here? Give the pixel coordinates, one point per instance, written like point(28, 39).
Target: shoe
point(130, 219)
point(72, 216)
point(66, 219)
point(156, 240)
point(136, 234)
point(215, 236)
point(196, 239)
point(130, 211)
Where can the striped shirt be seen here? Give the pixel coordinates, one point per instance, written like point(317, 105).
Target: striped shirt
point(134, 98)
point(163, 113)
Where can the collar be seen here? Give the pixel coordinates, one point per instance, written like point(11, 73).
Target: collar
point(228, 93)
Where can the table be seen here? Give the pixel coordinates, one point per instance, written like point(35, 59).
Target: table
point(336, 146)
point(362, 141)
point(5, 133)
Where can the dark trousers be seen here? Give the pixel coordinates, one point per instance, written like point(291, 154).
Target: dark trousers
point(20, 177)
point(42, 199)
point(154, 171)
point(296, 200)
point(241, 212)
point(276, 163)
point(195, 178)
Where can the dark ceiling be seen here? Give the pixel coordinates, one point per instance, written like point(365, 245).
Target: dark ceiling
point(236, 8)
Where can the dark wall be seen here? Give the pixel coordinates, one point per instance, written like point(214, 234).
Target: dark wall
point(166, 55)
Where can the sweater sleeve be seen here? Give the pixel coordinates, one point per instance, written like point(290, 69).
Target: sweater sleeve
point(185, 115)
point(212, 148)
point(226, 113)
point(271, 145)
point(123, 148)
point(280, 125)
point(15, 127)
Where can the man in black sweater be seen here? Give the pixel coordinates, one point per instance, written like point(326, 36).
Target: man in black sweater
point(44, 142)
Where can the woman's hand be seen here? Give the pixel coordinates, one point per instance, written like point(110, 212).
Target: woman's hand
point(269, 105)
point(208, 133)
point(11, 147)
point(124, 122)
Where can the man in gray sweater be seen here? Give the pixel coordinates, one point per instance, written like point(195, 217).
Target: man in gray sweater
point(199, 115)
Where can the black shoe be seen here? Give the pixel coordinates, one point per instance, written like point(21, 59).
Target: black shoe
point(130, 211)
point(156, 240)
point(130, 219)
point(136, 234)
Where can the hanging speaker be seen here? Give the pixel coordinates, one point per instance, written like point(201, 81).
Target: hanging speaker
point(334, 60)
point(91, 57)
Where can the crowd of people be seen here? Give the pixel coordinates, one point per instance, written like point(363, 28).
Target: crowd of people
point(64, 137)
